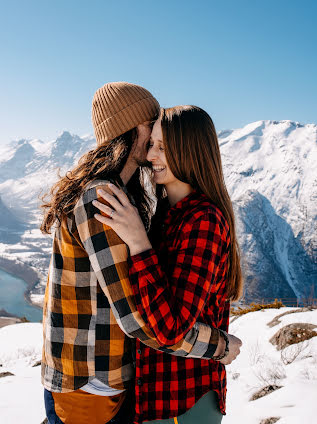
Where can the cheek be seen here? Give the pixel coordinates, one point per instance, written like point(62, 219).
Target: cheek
point(163, 159)
point(149, 155)
point(169, 175)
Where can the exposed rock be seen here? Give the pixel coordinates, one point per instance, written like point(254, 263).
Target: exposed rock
point(276, 320)
point(265, 391)
point(4, 321)
point(234, 318)
point(5, 374)
point(4, 313)
point(270, 420)
point(293, 333)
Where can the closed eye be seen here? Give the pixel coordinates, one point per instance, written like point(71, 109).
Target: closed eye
point(151, 144)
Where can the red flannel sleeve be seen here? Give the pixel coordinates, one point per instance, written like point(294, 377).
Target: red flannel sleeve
point(200, 252)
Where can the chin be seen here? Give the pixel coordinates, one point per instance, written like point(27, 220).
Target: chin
point(159, 181)
point(156, 180)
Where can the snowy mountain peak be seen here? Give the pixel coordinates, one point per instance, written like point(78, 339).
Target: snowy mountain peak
point(22, 142)
point(270, 128)
point(65, 136)
point(66, 148)
point(24, 147)
point(270, 172)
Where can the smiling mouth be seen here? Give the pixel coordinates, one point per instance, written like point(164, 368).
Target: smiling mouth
point(158, 169)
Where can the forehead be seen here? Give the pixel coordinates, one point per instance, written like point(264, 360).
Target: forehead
point(156, 134)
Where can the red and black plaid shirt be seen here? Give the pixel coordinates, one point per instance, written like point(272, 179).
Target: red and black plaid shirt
point(182, 279)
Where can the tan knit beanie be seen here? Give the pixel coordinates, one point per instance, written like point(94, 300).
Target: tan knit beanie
point(117, 107)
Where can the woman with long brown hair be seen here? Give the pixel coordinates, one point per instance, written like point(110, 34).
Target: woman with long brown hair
point(188, 268)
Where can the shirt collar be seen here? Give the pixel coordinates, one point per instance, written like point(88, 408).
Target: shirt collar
point(185, 203)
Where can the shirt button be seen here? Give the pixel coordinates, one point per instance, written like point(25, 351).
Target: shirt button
point(139, 382)
point(139, 351)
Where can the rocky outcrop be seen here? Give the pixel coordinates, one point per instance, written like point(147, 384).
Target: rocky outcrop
point(293, 333)
point(265, 391)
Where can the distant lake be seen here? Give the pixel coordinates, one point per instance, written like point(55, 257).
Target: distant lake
point(12, 298)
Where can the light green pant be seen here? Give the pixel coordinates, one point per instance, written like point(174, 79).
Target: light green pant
point(205, 411)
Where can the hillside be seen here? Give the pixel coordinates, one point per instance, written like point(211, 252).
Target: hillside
point(259, 369)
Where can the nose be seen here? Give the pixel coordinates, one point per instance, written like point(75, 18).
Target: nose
point(151, 154)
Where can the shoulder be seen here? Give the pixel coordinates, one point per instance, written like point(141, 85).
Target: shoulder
point(89, 193)
point(84, 216)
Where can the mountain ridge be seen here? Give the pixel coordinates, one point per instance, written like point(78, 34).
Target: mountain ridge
point(269, 169)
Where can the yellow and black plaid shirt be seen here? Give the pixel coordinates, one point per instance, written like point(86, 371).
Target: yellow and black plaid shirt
point(89, 316)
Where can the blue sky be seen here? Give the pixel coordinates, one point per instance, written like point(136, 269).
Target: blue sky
point(241, 60)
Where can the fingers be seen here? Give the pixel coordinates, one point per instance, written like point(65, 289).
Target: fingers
point(234, 350)
point(110, 199)
point(102, 207)
point(104, 220)
point(123, 198)
point(230, 358)
point(236, 340)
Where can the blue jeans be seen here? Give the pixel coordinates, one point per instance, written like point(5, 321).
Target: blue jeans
point(50, 408)
point(124, 415)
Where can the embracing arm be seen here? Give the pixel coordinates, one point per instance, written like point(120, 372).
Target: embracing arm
point(108, 257)
point(198, 270)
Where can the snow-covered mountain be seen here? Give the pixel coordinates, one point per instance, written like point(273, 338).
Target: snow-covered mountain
point(270, 170)
point(271, 176)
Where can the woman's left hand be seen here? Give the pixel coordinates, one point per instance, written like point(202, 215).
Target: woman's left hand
point(123, 218)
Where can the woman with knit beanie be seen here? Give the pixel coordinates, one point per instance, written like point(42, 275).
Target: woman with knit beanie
point(187, 267)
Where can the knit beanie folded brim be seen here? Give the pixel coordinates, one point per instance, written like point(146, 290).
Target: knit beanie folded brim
point(120, 106)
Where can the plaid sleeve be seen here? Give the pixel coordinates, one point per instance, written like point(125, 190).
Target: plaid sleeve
point(201, 250)
point(108, 257)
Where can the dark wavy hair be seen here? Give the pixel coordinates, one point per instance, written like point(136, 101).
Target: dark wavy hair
point(101, 163)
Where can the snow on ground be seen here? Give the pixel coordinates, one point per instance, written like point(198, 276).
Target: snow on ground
point(21, 395)
point(37, 299)
point(258, 365)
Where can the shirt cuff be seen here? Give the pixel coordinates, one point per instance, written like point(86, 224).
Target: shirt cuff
point(141, 262)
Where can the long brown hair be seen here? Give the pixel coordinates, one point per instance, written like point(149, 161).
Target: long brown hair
point(100, 163)
point(193, 155)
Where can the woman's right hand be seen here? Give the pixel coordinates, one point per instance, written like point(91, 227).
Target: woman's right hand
point(234, 349)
